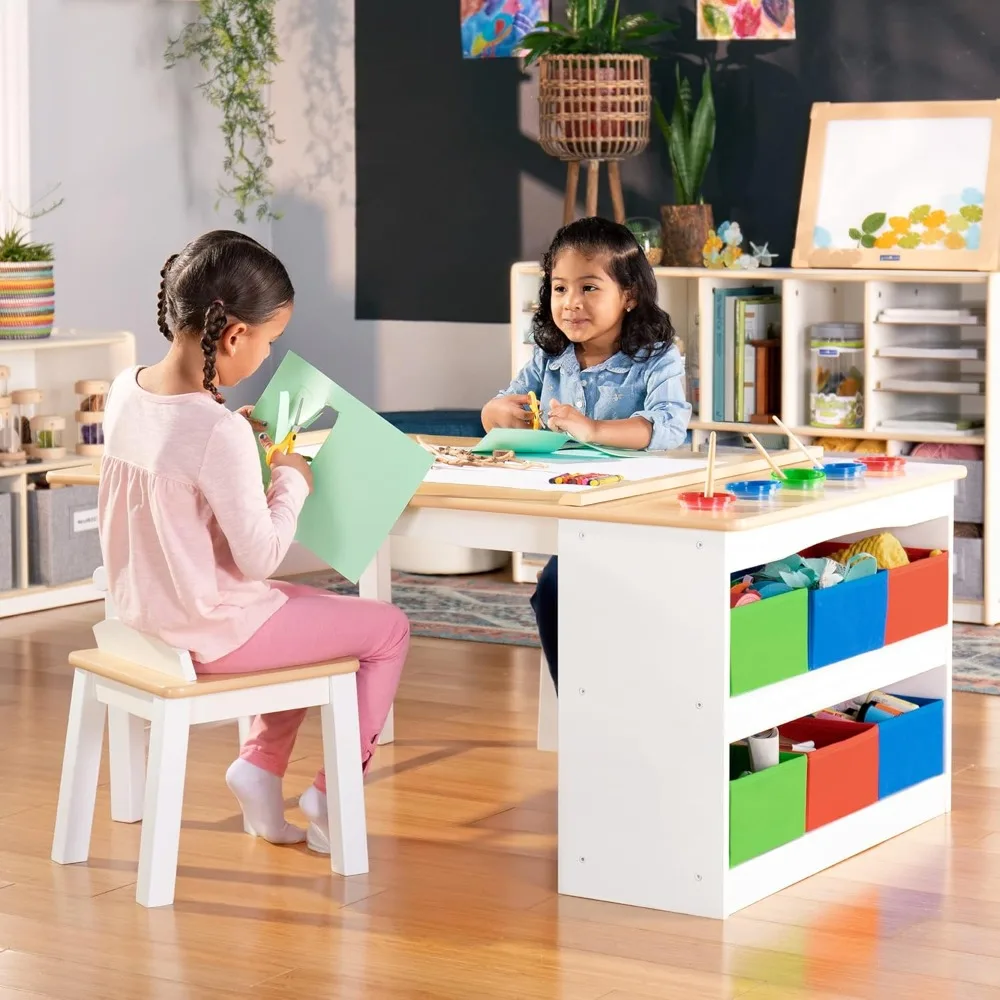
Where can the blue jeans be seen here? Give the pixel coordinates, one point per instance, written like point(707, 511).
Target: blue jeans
point(545, 604)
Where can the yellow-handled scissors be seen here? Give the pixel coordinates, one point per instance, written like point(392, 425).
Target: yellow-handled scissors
point(287, 444)
point(536, 412)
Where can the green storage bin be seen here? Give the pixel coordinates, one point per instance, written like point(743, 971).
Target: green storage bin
point(768, 641)
point(766, 809)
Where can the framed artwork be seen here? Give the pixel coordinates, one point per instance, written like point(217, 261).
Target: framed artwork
point(746, 20)
point(493, 29)
point(901, 185)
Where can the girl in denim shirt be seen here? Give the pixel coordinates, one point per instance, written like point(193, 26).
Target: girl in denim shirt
point(605, 370)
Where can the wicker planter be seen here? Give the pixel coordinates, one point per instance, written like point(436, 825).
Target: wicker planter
point(27, 300)
point(685, 229)
point(594, 107)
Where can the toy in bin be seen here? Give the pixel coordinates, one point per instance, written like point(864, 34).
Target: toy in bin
point(585, 479)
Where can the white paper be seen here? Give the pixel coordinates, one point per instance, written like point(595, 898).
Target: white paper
point(632, 469)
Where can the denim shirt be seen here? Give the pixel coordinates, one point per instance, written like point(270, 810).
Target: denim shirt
point(616, 389)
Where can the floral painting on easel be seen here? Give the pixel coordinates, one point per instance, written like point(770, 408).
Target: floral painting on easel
point(493, 29)
point(937, 203)
point(748, 20)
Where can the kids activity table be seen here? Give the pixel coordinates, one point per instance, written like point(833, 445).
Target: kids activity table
point(646, 717)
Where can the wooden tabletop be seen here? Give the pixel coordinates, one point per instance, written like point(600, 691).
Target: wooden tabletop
point(657, 509)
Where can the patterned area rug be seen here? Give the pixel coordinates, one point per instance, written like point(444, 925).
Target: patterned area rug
point(491, 609)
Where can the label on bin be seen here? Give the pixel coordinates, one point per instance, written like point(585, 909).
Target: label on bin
point(85, 520)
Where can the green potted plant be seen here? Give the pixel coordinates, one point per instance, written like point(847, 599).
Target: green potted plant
point(690, 139)
point(27, 283)
point(593, 89)
point(237, 44)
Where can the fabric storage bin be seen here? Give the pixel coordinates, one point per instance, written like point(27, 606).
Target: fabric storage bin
point(911, 747)
point(847, 620)
point(768, 641)
point(918, 595)
point(842, 772)
point(967, 569)
point(766, 809)
point(969, 492)
point(63, 544)
point(6, 541)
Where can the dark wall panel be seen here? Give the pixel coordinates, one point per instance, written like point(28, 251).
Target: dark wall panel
point(440, 155)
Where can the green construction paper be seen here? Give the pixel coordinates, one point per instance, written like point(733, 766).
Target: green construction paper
point(521, 440)
point(527, 442)
point(364, 473)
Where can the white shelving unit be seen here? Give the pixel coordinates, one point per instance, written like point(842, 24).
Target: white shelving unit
point(816, 296)
point(53, 365)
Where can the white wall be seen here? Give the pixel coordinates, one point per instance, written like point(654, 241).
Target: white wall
point(137, 154)
point(134, 150)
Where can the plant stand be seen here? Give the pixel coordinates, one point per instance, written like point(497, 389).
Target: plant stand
point(593, 179)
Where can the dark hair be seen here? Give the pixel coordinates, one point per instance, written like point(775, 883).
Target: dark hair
point(646, 329)
point(219, 277)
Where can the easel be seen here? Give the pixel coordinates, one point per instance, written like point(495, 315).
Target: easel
point(593, 177)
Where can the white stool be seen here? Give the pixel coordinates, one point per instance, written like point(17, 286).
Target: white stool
point(133, 675)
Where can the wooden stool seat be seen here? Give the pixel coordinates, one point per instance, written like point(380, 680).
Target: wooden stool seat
point(115, 668)
point(131, 679)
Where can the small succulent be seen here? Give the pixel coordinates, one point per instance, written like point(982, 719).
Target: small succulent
point(16, 248)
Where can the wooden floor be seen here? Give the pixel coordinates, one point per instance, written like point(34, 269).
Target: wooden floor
point(461, 901)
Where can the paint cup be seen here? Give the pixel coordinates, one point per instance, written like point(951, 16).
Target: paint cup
point(884, 465)
point(763, 750)
point(845, 470)
point(714, 504)
point(802, 479)
point(760, 490)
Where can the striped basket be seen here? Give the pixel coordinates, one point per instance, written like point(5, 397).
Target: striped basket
point(27, 300)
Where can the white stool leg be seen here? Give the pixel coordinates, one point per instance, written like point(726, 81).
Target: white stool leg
point(548, 710)
point(376, 585)
point(244, 722)
point(127, 752)
point(345, 793)
point(388, 733)
point(161, 826)
point(80, 771)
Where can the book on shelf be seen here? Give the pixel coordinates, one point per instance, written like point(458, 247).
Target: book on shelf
point(729, 361)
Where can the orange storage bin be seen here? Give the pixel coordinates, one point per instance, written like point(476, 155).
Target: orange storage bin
point(918, 595)
point(842, 772)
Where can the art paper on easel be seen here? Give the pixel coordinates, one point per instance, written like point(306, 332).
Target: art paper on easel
point(908, 185)
point(746, 20)
point(364, 473)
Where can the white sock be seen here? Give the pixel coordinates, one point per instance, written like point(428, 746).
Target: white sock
point(259, 795)
point(313, 803)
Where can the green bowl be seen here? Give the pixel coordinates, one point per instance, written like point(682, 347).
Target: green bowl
point(802, 479)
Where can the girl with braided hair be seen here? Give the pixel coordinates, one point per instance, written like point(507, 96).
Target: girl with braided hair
point(190, 538)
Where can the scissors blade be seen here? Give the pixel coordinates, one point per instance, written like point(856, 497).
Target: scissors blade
point(297, 421)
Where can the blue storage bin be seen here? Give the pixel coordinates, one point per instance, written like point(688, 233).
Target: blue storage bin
point(911, 747)
point(847, 619)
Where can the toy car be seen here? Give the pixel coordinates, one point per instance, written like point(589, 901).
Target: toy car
point(584, 479)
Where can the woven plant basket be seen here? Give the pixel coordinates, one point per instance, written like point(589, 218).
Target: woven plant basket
point(27, 300)
point(594, 107)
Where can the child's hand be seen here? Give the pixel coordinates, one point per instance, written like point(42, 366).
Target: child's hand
point(569, 420)
point(294, 461)
point(507, 411)
point(247, 411)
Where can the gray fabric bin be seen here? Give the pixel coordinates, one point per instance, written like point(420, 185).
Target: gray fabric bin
point(6, 541)
point(967, 569)
point(968, 491)
point(63, 543)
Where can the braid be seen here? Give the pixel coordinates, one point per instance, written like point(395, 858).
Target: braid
point(215, 324)
point(161, 300)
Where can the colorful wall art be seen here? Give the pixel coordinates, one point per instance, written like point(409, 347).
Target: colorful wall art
point(494, 28)
point(746, 20)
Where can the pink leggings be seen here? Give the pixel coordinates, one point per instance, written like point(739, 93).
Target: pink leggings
point(310, 627)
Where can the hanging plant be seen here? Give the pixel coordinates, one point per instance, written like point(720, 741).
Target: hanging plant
point(236, 43)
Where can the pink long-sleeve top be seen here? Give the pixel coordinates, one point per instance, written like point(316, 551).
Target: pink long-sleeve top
point(188, 535)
